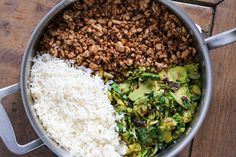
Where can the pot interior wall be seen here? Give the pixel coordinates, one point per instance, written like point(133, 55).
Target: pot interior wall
point(28, 102)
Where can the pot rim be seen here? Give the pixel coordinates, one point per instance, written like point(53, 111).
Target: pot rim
point(173, 149)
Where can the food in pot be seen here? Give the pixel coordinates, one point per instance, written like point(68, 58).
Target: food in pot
point(118, 36)
point(74, 108)
point(157, 107)
point(145, 56)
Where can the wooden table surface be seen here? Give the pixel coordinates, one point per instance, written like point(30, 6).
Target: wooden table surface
point(217, 136)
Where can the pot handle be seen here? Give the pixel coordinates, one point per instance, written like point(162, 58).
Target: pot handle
point(221, 39)
point(6, 130)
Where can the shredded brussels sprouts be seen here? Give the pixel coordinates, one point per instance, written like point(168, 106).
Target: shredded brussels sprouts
point(157, 108)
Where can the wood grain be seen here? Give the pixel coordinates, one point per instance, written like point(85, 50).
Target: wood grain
point(186, 151)
point(18, 19)
point(217, 137)
point(201, 15)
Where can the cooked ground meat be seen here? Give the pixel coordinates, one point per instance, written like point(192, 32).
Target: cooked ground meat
point(114, 35)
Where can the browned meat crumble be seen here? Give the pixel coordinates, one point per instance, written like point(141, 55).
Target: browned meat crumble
point(114, 35)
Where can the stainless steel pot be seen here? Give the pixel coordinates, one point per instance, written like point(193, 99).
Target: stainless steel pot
point(203, 46)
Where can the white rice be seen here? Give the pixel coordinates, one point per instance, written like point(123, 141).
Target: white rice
point(74, 109)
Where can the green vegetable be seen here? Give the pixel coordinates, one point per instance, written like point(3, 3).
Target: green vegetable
point(195, 90)
point(108, 75)
point(180, 94)
point(143, 136)
point(153, 132)
point(168, 136)
point(154, 151)
point(157, 107)
point(187, 116)
point(163, 75)
point(117, 89)
point(140, 92)
point(177, 74)
point(134, 147)
point(193, 71)
point(168, 124)
point(149, 75)
point(121, 128)
point(125, 87)
point(140, 109)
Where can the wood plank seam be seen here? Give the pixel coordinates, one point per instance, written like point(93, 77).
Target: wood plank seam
point(221, 144)
point(191, 148)
point(213, 6)
point(213, 21)
point(213, 18)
